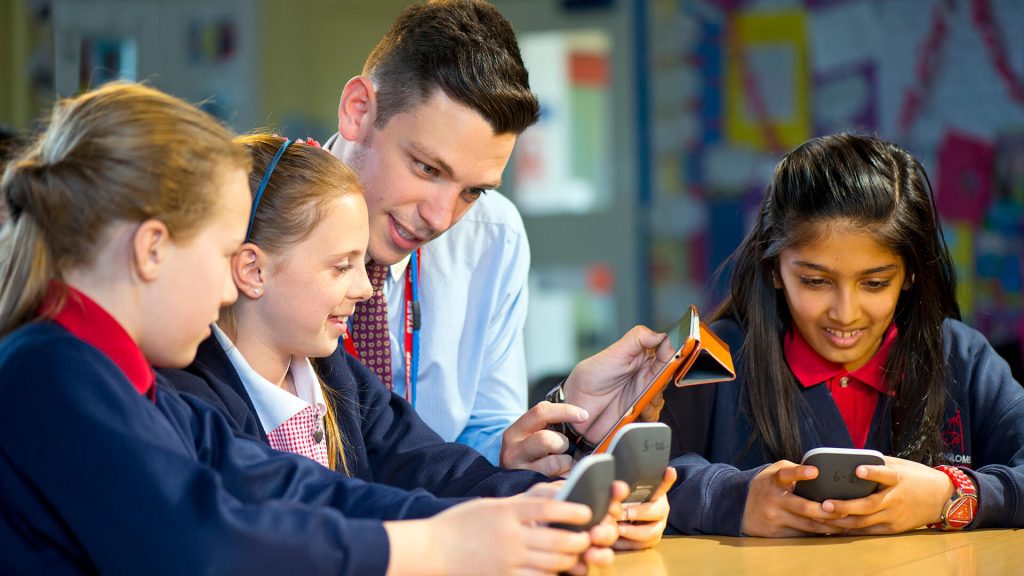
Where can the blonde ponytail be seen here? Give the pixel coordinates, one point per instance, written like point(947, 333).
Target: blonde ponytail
point(121, 153)
point(26, 270)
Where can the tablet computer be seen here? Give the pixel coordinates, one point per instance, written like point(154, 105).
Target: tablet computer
point(700, 358)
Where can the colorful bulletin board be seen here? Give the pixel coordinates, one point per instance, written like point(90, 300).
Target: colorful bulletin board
point(736, 83)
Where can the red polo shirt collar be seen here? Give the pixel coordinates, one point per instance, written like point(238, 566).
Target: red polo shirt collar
point(810, 368)
point(855, 393)
point(87, 320)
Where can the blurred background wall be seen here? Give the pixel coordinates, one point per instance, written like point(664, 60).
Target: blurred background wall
point(661, 122)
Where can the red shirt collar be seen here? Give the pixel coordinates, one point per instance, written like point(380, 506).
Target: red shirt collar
point(87, 320)
point(810, 368)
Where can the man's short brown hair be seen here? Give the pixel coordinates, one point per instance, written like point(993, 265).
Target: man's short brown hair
point(464, 47)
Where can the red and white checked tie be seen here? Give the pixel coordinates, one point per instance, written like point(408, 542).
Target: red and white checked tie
point(370, 326)
point(301, 434)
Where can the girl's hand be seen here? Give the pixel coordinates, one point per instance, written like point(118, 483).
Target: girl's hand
point(910, 495)
point(773, 510)
point(642, 524)
point(493, 536)
point(602, 536)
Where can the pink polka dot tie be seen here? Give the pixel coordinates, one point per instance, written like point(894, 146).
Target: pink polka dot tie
point(370, 326)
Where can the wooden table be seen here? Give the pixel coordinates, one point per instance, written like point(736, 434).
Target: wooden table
point(925, 552)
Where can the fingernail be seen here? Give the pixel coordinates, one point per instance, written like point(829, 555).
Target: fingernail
point(581, 415)
point(862, 471)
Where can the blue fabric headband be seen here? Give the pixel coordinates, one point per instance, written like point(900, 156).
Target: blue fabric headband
point(263, 185)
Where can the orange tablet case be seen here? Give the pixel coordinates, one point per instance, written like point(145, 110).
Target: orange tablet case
point(702, 359)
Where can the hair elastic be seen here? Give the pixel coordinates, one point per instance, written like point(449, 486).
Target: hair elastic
point(263, 185)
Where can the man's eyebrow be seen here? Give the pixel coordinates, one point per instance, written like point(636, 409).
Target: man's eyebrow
point(433, 158)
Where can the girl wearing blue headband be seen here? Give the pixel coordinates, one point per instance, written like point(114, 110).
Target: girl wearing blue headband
point(274, 364)
point(120, 223)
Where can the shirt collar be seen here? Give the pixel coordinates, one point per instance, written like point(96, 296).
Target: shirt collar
point(398, 268)
point(273, 404)
point(810, 368)
point(88, 321)
point(330, 143)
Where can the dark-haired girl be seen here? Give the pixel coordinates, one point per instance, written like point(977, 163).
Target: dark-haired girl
point(843, 319)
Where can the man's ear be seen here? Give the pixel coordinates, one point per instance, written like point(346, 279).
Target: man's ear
point(357, 109)
point(247, 270)
point(150, 244)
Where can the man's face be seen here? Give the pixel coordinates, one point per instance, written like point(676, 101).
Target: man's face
point(423, 171)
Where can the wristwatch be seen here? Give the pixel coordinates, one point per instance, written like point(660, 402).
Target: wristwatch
point(962, 507)
point(578, 445)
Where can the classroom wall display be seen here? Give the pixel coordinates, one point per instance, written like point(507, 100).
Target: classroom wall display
point(735, 83)
point(200, 51)
point(106, 58)
point(572, 312)
point(568, 150)
point(766, 79)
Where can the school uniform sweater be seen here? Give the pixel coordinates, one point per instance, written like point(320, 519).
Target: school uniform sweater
point(97, 478)
point(385, 440)
point(711, 428)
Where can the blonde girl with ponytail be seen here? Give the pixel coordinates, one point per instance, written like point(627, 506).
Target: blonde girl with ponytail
point(121, 225)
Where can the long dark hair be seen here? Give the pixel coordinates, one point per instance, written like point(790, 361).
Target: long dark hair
point(878, 187)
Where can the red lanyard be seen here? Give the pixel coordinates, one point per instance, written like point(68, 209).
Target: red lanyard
point(411, 303)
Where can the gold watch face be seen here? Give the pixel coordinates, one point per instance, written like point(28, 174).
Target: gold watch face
point(962, 511)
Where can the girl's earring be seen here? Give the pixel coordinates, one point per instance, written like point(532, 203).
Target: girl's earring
point(257, 291)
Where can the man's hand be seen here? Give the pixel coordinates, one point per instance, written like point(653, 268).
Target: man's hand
point(614, 377)
point(528, 444)
point(607, 383)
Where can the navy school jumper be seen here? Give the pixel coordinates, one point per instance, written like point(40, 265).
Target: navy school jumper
point(385, 440)
point(983, 431)
point(96, 478)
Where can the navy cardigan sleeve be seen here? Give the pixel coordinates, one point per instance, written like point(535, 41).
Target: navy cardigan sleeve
point(385, 439)
point(711, 491)
point(402, 450)
point(96, 478)
point(987, 395)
